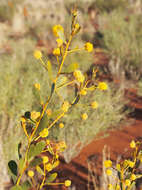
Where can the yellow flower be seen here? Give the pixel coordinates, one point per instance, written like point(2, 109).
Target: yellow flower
point(35, 115)
point(117, 187)
point(109, 172)
point(84, 116)
point(56, 52)
point(68, 183)
point(118, 167)
point(49, 112)
point(47, 142)
point(45, 159)
point(56, 29)
point(30, 173)
point(61, 146)
point(94, 105)
point(61, 125)
point(132, 144)
point(133, 177)
point(130, 164)
point(44, 133)
point(37, 86)
point(127, 182)
point(110, 186)
point(37, 54)
point(22, 119)
point(48, 167)
point(79, 76)
point(88, 47)
point(102, 86)
point(107, 163)
point(65, 106)
point(59, 42)
point(83, 92)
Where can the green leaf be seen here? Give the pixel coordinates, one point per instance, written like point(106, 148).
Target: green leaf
point(13, 167)
point(76, 100)
point(26, 185)
point(55, 114)
point(71, 68)
point(36, 149)
point(35, 162)
point(52, 89)
point(16, 187)
point(43, 124)
point(39, 170)
point(51, 178)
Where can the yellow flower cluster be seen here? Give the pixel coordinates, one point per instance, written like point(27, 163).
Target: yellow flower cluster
point(44, 133)
point(35, 115)
point(65, 106)
point(127, 182)
point(102, 86)
point(132, 144)
point(94, 105)
point(56, 51)
point(48, 167)
point(88, 47)
point(79, 76)
point(109, 172)
point(56, 29)
point(37, 54)
point(37, 86)
point(107, 163)
point(48, 112)
point(68, 183)
point(30, 173)
point(59, 42)
point(83, 92)
point(84, 116)
point(61, 125)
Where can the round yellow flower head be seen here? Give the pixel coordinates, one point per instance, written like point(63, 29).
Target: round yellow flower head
point(132, 144)
point(133, 177)
point(37, 54)
point(65, 106)
point(94, 105)
point(84, 116)
point(35, 115)
point(117, 187)
point(79, 76)
point(61, 125)
point(109, 172)
point(59, 42)
point(37, 86)
point(47, 142)
point(110, 186)
point(49, 112)
point(48, 167)
point(118, 167)
point(44, 133)
point(30, 173)
point(45, 159)
point(88, 47)
point(68, 183)
point(61, 146)
point(83, 92)
point(56, 52)
point(102, 86)
point(107, 163)
point(56, 29)
point(127, 182)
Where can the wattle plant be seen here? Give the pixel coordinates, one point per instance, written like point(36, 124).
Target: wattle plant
point(35, 167)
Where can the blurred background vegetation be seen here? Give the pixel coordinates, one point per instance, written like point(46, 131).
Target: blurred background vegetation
point(113, 26)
